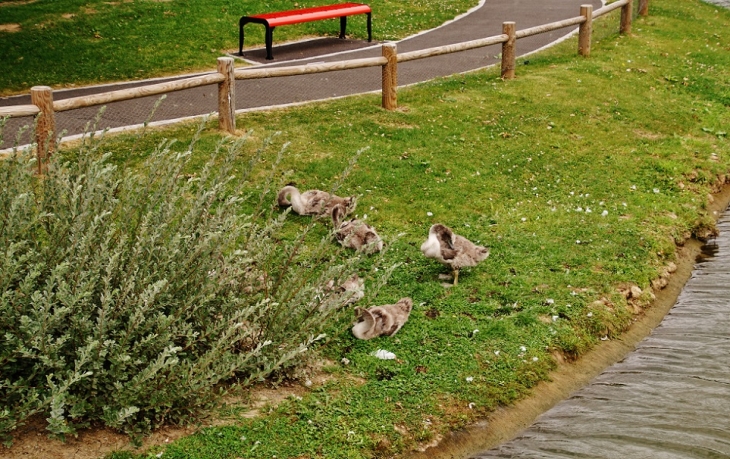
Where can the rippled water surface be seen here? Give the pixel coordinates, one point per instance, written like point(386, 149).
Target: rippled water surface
point(668, 399)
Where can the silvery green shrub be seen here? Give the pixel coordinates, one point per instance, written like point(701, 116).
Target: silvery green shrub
point(131, 297)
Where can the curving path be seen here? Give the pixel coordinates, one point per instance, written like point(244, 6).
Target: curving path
point(484, 20)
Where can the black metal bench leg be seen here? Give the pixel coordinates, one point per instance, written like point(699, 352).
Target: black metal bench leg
point(269, 43)
point(240, 37)
point(370, 27)
point(343, 26)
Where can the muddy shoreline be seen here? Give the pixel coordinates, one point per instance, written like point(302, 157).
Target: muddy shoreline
point(507, 422)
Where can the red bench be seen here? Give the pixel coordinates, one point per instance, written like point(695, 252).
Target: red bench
point(272, 20)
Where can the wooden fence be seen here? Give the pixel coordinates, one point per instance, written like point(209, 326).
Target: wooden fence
point(43, 103)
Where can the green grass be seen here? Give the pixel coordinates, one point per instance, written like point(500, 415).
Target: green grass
point(638, 130)
point(69, 42)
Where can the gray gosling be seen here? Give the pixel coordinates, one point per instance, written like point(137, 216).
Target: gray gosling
point(353, 287)
point(381, 320)
point(451, 249)
point(313, 202)
point(355, 234)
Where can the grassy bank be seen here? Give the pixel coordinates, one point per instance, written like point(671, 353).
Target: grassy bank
point(63, 42)
point(582, 176)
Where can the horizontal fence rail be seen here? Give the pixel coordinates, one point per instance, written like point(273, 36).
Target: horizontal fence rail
point(549, 27)
point(19, 110)
point(321, 67)
point(44, 106)
point(608, 8)
point(135, 93)
point(439, 50)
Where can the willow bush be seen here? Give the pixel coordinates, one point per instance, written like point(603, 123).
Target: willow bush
point(129, 298)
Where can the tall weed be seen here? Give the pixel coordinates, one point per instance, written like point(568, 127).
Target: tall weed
point(129, 297)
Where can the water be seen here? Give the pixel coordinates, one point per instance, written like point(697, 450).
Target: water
point(669, 399)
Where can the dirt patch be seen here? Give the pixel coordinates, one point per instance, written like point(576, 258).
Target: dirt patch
point(10, 27)
point(647, 135)
point(31, 441)
point(17, 3)
point(68, 15)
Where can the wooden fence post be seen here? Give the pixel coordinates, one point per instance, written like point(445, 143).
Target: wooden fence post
point(626, 18)
point(227, 96)
point(45, 134)
point(390, 76)
point(643, 7)
point(585, 31)
point(508, 50)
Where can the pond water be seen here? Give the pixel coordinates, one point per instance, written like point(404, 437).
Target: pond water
point(669, 399)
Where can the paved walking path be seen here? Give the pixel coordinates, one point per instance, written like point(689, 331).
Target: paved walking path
point(484, 20)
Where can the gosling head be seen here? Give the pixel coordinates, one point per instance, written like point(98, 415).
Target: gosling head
point(438, 235)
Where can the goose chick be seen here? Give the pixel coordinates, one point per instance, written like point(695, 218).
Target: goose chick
point(381, 320)
point(353, 288)
point(313, 202)
point(451, 249)
point(355, 234)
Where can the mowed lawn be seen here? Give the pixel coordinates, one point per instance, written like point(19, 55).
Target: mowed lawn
point(584, 177)
point(72, 42)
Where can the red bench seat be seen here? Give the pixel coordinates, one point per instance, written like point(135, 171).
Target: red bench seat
point(272, 20)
